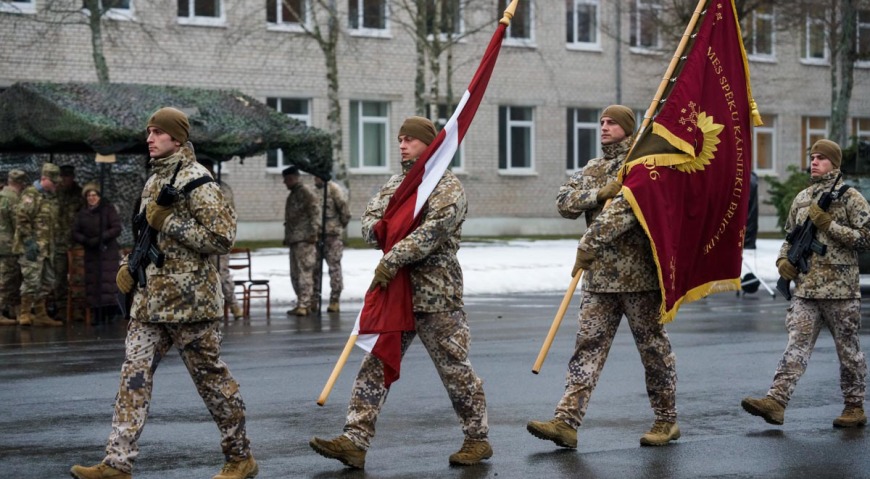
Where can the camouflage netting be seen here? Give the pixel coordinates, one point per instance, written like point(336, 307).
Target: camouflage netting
point(111, 118)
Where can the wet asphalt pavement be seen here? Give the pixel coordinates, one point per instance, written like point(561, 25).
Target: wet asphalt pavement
point(58, 387)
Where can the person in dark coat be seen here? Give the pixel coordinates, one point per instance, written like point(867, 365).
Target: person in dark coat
point(101, 249)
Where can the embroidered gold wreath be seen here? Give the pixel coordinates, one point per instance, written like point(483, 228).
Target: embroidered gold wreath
point(710, 135)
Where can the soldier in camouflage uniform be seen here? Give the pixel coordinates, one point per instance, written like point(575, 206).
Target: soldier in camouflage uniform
point(436, 280)
point(620, 279)
point(69, 202)
point(10, 271)
point(337, 216)
point(35, 222)
point(301, 228)
point(828, 294)
point(180, 306)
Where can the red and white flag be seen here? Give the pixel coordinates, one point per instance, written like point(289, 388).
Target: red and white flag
point(388, 312)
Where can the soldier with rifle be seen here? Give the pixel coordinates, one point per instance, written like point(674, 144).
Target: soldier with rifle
point(828, 225)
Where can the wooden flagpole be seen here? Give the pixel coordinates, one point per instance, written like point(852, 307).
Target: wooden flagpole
point(560, 314)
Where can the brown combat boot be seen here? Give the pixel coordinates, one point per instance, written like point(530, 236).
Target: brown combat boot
point(100, 471)
point(237, 311)
point(661, 433)
point(767, 408)
point(25, 317)
point(555, 430)
point(41, 317)
point(245, 469)
point(340, 448)
point(4, 321)
point(471, 453)
point(853, 416)
point(333, 307)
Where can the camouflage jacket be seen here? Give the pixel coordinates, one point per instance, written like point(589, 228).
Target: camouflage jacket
point(69, 202)
point(187, 288)
point(8, 204)
point(834, 275)
point(430, 250)
point(621, 265)
point(337, 209)
point(35, 219)
point(301, 215)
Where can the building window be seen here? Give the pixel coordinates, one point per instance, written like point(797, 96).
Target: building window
point(814, 44)
point(367, 17)
point(445, 16)
point(644, 29)
point(113, 9)
point(369, 122)
point(863, 41)
point(201, 12)
point(582, 23)
point(296, 108)
point(813, 129)
point(583, 142)
point(457, 164)
point(764, 145)
point(758, 32)
point(18, 6)
point(861, 129)
point(521, 29)
point(516, 140)
point(287, 14)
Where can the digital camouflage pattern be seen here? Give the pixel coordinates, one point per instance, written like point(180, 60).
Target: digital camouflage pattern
point(337, 218)
point(804, 321)
point(222, 262)
point(35, 220)
point(337, 208)
point(303, 258)
point(835, 274)
point(199, 345)
point(447, 338)
point(619, 266)
point(600, 315)
point(301, 215)
point(10, 272)
point(8, 205)
point(436, 277)
point(187, 288)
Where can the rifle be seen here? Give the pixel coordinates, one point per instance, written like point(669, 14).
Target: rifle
point(145, 251)
point(804, 243)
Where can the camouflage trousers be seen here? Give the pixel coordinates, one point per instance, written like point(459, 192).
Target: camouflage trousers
point(10, 282)
point(447, 339)
point(600, 315)
point(199, 345)
point(333, 249)
point(61, 280)
point(303, 255)
point(37, 277)
point(804, 321)
point(222, 263)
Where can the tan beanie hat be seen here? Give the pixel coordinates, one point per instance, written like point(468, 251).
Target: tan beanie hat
point(829, 150)
point(419, 128)
point(622, 115)
point(171, 121)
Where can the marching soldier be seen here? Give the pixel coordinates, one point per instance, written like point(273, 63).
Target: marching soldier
point(10, 270)
point(181, 305)
point(828, 295)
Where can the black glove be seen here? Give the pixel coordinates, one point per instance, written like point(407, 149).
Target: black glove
point(31, 250)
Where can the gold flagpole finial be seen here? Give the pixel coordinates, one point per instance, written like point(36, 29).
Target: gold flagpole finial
point(509, 13)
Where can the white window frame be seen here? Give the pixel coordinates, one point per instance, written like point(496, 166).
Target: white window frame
point(769, 128)
point(529, 18)
point(755, 18)
point(121, 14)
point(361, 121)
point(363, 31)
point(576, 126)
point(287, 26)
point(865, 63)
point(26, 7)
point(193, 19)
point(460, 30)
point(808, 132)
point(583, 45)
point(509, 125)
point(857, 132)
point(303, 117)
point(809, 23)
point(640, 10)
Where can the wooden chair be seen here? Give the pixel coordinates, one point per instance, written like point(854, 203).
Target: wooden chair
point(251, 288)
point(77, 296)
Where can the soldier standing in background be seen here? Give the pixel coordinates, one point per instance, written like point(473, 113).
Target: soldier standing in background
point(180, 305)
point(36, 220)
point(301, 228)
point(69, 202)
point(10, 270)
point(337, 216)
point(620, 279)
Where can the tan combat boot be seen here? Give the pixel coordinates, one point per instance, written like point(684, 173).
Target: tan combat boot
point(661, 433)
point(767, 408)
point(853, 416)
point(333, 307)
point(4, 321)
point(237, 311)
point(340, 448)
point(25, 317)
point(555, 430)
point(100, 471)
point(41, 317)
point(471, 453)
point(245, 469)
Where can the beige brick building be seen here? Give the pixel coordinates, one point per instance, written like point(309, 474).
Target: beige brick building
point(564, 62)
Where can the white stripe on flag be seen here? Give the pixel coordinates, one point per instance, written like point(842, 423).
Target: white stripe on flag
point(365, 341)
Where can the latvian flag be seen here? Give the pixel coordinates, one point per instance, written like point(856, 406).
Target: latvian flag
point(388, 312)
